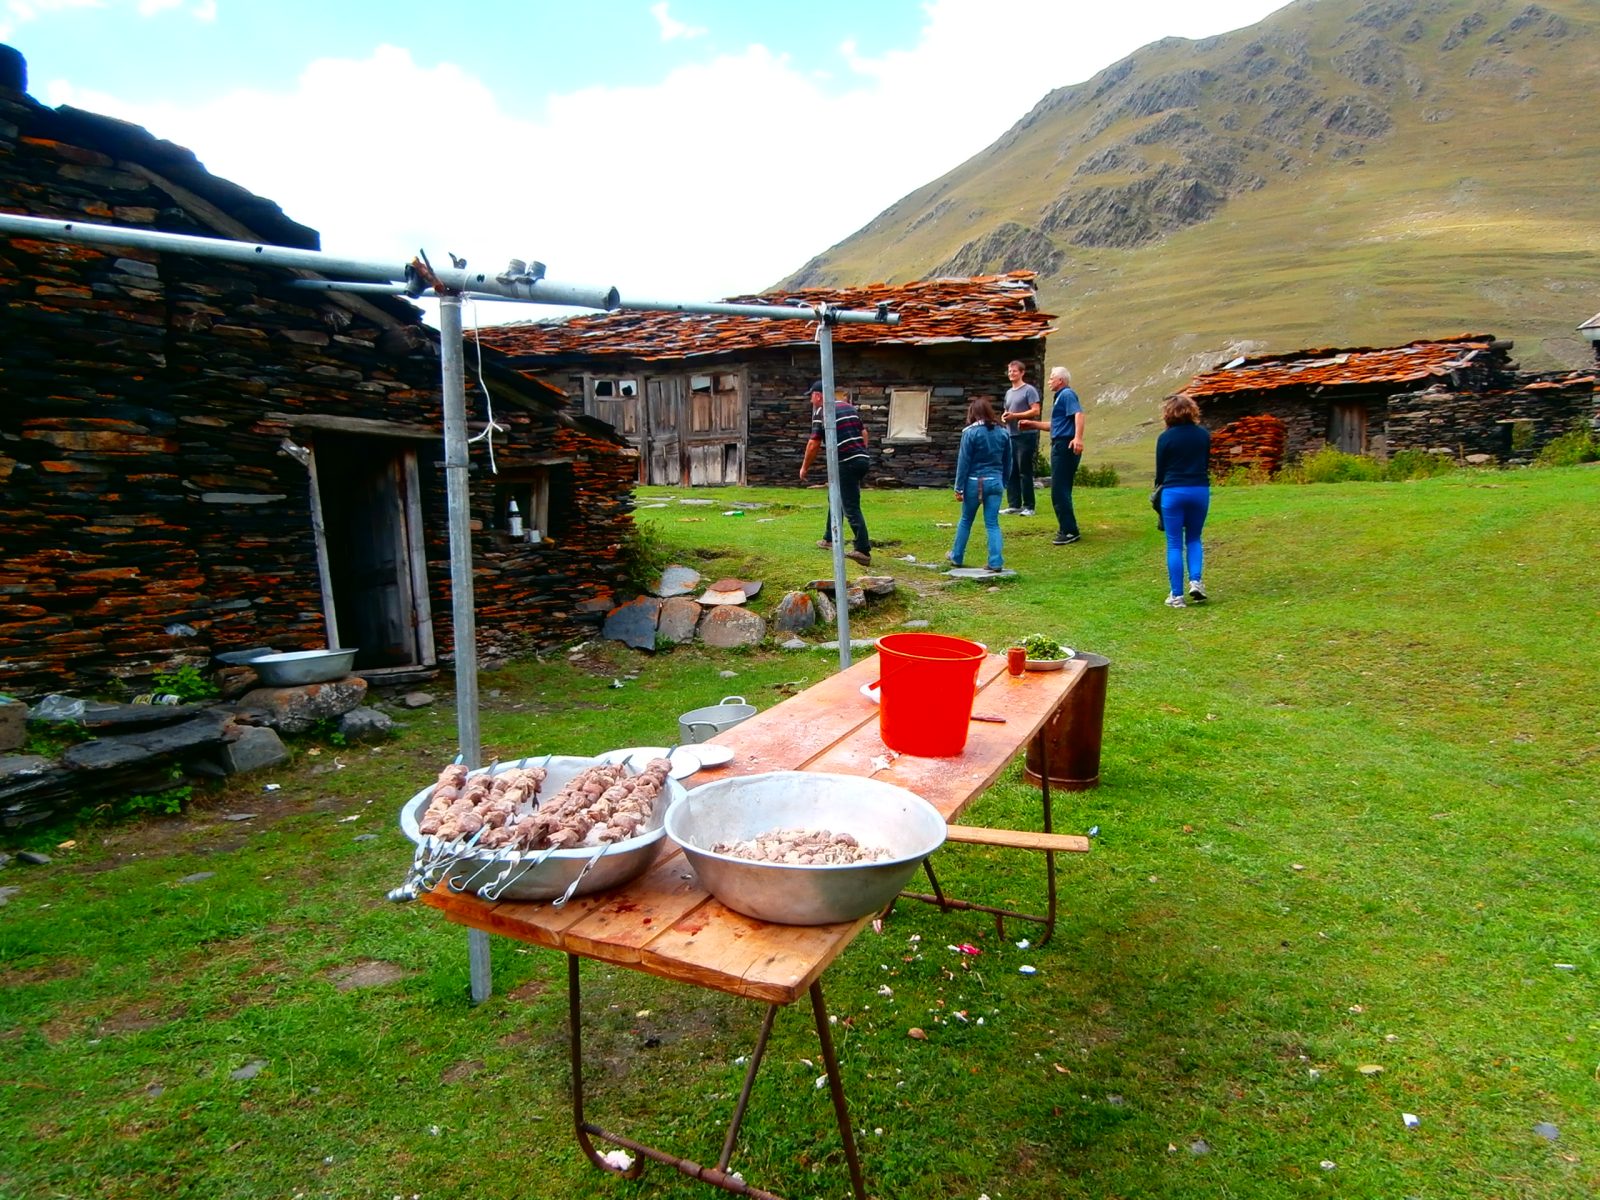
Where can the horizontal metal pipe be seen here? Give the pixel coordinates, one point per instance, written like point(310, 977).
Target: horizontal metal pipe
point(771, 311)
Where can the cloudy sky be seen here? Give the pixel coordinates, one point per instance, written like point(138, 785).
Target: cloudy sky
point(682, 149)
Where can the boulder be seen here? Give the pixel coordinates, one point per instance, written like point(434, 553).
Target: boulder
point(795, 612)
point(826, 608)
point(13, 724)
point(679, 617)
point(297, 709)
point(143, 745)
point(876, 585)
point(634, 623)
point(366, 725)
point(677, 581)
point(725, 591)
point(256, 748)
point(730, 626)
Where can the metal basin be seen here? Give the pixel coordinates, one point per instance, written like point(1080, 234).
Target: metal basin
point(703, 724)
point(874, 813)
point(302, 666)
point(556, 870)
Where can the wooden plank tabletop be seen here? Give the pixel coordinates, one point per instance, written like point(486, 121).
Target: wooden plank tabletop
point(664, 923)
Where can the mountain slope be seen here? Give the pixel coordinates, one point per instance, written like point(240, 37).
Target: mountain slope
point(1346, 172)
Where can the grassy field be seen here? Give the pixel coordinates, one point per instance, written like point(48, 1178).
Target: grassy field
point(1345, 872)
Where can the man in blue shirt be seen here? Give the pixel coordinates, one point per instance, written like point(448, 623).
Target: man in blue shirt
point(1066, 451)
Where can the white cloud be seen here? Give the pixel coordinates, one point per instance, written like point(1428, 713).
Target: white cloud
point(726, 175)
point(671, 29)
point(20, 12)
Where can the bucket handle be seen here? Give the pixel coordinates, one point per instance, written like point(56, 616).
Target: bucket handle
point(730, 700)
point(691, 726)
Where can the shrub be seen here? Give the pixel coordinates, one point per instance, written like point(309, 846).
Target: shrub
point(186, 683)
point(645, 555)
point(1041, 460)
point(1097, 477)
point(1328, 465)
point(1244, 476)
point(1569, 450)
point(1418, 464)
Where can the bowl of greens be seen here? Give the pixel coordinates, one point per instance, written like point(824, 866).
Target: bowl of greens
point(1044, 653)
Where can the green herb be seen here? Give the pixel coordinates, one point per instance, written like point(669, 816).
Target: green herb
point(1043, 649)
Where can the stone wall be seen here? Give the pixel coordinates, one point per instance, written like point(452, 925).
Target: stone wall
point(152, 515)
point(1464, 423)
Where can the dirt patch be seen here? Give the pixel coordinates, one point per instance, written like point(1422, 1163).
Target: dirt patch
point(56, 968)
point(460, 1071)
point(134, 1020)
point(366, 973)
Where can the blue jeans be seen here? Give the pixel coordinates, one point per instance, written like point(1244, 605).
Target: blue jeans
point(1063, 466)
point(1019, 488)
point(986, 490)
point(1183, 513)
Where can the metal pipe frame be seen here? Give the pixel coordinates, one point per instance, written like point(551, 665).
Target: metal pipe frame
point(1048, 917)
point(719, 1175)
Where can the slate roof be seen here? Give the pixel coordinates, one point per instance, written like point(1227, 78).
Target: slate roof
point(988, 308)
point(1361, 365)
point(1592, 323)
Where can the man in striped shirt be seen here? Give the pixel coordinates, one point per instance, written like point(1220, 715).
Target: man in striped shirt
point(853, 464)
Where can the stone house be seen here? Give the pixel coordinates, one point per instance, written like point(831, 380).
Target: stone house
point(722, 400)
point(1591, 330)
point(197, 457)
point(1460, 395)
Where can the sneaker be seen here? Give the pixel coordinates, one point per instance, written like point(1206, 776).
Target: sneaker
point(1009, 512)
point(1026, 512)
point(1063, 539)
point(858, 557)
point(1197, 591)
point(1177, 602)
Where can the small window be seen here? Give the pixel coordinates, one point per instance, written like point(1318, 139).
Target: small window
point(699, 383)
point(908, 415)
point(627, 387)
point(531, 496)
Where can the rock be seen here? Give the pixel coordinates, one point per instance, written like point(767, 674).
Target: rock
point(13, 723)
point(595, 606)
point(1478, 460)
point(876, 585)
point(198, 877)
point(366, 725)
point(679, 617)
point(415, 700)
point(634, 623)
point(33, 858)
point(677, 581)
point(795, 644)
point(297, 709)
point(255, 747)
point(795, 612)
point(730, 626)
point(979, 573)
point(827, 610)
point(249, 1071)
point(915, 624)
point(855, 644)
point(22, 766)
point(752, 588)
point(6, 893)
point(365, 837)
point(142, 745)
point(726, 591)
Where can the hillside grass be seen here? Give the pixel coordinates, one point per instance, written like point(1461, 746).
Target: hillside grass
point(1345, 871)
point(1476, 213)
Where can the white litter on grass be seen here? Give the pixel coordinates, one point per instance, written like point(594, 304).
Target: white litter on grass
point(885, 990)
point(1327, 1164)
point(270, 787)
point(1025, 969)
point(433, 1131)
point(347, 820)
point(1566, 966)
point(619, 1160)
point(1024, 944)
point(1411, 1120)
point(822, 1081)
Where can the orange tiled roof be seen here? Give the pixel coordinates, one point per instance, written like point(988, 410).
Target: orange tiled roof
point(1359, 365)
point(988, 308)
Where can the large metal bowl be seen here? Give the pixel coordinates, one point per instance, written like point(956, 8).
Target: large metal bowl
point(555, 872)
point(298, 667)
point(874, 813)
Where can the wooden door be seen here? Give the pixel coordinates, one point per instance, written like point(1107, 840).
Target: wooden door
point(1348, 428)
point(714, 434)
point(664, 431)
point(365, 491)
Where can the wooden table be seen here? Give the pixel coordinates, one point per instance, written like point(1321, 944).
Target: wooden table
point(665, 924)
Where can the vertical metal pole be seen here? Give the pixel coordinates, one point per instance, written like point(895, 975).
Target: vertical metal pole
point(830, 426)
point(452, 370)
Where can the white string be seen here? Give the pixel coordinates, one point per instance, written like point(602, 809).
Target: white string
point(489, 430)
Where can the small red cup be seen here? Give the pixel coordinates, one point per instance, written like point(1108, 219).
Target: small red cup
point(1016, 660)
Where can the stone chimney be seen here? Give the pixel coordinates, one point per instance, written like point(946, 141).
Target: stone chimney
point(13, 70)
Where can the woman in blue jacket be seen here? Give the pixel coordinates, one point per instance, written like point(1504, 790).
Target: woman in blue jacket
point(982, 468)
point(1183, 462)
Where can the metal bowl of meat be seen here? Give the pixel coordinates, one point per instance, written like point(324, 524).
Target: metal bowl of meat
point(298, 667)
point(572, 853)
point(863, 838)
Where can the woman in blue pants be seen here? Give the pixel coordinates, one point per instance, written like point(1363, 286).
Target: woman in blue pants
point(982, 467)
point(1183, 473)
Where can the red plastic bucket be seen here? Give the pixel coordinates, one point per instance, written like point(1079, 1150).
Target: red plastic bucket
point(927, 682)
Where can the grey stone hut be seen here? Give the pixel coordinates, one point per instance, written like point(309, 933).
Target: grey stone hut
point(722, 400)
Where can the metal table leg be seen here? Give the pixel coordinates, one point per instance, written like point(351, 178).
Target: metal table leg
point(717, 1176)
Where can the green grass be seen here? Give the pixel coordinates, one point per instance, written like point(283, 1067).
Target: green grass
point(1346, 820)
